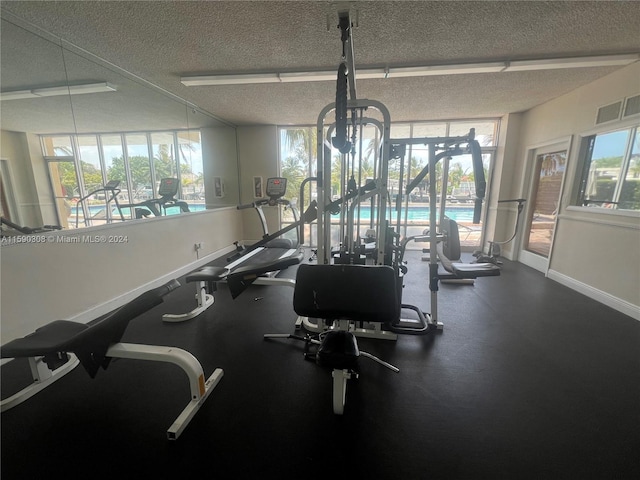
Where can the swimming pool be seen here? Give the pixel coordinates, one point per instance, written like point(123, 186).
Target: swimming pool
point(417, 214)
point(96, 209)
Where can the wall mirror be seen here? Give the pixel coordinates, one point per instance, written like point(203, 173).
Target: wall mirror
point(83, 139)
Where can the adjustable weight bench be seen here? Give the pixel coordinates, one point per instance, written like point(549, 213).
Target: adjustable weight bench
point(342, 294)
point(238, 275)
point(59, 346)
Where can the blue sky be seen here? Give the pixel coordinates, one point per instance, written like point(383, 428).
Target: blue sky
point(610, 145)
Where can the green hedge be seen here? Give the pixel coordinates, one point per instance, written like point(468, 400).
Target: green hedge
point(629, 196)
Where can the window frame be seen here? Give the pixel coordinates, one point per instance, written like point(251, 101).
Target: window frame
point(585, 147)
point(489, 150)
point(76, 159)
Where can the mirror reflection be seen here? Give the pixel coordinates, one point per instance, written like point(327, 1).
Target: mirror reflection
point(84, 143)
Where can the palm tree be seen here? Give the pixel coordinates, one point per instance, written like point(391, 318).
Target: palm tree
point(456, 176)
point(296, 137)
point(299, 146)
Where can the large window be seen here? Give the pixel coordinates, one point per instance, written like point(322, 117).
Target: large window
point(298, 161)
point(60, 155)
point(611, 174)
point(81, 165)
point(190, 161)
point(138, 161)
point(298, 154)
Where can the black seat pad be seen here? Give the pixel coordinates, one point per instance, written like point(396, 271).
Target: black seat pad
point(282, 243)
point(355, 292)
point(339, 349)
point(209, 273)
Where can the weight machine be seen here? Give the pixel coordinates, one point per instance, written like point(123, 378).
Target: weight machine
point(444, 148)
point(495, 248)
point(356, 290)
point(360, 284)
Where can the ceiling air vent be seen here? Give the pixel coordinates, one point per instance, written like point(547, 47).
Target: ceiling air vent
point(608, 113)
point(632, 106)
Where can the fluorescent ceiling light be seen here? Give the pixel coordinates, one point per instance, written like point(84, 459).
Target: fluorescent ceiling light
point(58, 91)
point(495, 67)
point(368, 73)
point(91, 88)
point(251, 78)
point(307, 76)
point(576, 62)
point(414, 71)
point(17, 95)
point(230, 79)
point(51, 91)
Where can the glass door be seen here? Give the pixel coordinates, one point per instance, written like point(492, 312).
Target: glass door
point(547, 175)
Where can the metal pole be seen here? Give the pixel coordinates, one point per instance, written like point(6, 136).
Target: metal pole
point(443, 192)
point(433, 240)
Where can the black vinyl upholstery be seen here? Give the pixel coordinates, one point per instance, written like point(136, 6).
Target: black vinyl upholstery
point(451, 244)
point(339, 349)
point(89, 342)
point(244, 275)
point(354, 292)
point(449, 256)
point(207, 274)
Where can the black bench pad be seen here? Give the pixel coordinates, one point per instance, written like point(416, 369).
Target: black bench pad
point(207, 274)
point(52, 338)
point(89, 342)
point(243, 276)
point(474, 270)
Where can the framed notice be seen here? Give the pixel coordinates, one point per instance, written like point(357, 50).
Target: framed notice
point(257, 187)
point(218, 187)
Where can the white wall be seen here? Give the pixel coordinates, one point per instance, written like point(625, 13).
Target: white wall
point(56, 279)
point(220, 156)
point(501, 217)
point(258, 157)
point(595, 251)
point(601, 258)
point(80, 281)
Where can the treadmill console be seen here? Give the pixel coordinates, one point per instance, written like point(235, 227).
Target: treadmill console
point(276, 187)
point(168, 187)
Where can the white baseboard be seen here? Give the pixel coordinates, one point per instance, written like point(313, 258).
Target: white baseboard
point(603, 297)
point(110, 305)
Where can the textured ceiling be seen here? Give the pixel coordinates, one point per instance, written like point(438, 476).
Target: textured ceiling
point(162, 41)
